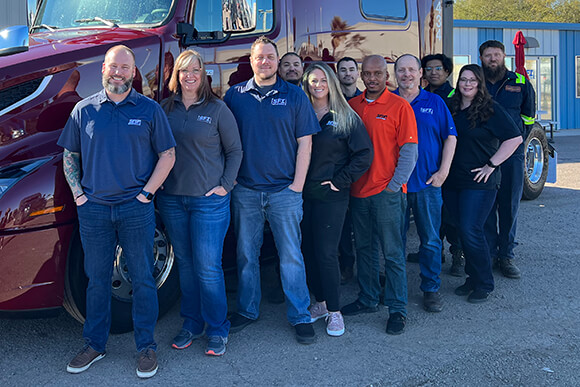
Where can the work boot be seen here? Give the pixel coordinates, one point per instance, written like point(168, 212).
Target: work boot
point(458, 264)
point(432, 302)
point(509, 269)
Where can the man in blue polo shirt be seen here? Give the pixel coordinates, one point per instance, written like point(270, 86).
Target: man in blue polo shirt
point(276, 123)
point(437, 139)
point(118, 150)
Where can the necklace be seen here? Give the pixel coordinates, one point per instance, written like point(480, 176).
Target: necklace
point(320, 111)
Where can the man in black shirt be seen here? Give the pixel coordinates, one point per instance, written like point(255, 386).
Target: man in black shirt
point(436, 69)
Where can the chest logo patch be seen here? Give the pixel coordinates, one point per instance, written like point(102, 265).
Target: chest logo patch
point(427, 111)
point(513, 89)
point(135, 122)
point(205, 119)
point(279, 101)
point(332, 123)
point(382, 117)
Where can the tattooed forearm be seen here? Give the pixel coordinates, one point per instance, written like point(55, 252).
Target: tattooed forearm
point(71, 162)
point(169, 152)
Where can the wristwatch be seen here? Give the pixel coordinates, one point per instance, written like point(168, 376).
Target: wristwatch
point(148, 195)
point(491, 164)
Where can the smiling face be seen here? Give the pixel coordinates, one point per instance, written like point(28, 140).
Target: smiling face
point(435, 73)
point(347, 73)
point(291, 69)
point(318, 85)
point(374, 76)
point(468, 85)
point(408, 73)
point(190, 78)
point(264, 62)
point(118, 71)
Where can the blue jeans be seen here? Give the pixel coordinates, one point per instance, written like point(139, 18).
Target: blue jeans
point(426, 205)
point(502, 241)
point(381, 217)
point(283, 211)
point(197, 226)
point(471, 207)
point(132, 226)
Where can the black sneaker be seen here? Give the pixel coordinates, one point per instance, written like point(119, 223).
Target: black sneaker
point(239, 322)
point(147, 363)
point(84, 359)
point(432, 302)
point(509, 269)
point(413, 257)
point(478, 296)
point(184, 339)
point(357, 307)
point(457, 264)
point(396, 323)
point(216, 345)
point(463, 290)
point(305, 333)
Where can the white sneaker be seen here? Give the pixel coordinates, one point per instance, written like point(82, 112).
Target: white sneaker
point(335, 324)
point(318, 311)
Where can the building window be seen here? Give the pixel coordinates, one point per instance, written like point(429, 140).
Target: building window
point(458, 62)
point(578, 77)
point(384, 10)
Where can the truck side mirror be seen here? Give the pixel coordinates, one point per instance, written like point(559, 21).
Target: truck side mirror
point(13, 40)
point(238, 15)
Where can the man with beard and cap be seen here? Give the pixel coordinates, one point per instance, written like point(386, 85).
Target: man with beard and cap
point(437, 140)
point(276, 122)
point(378, 199)
point(291, 68)
point(516, 95)
point(118, 150)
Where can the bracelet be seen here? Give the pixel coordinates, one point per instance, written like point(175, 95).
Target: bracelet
point(83, 194)
point(491, 164)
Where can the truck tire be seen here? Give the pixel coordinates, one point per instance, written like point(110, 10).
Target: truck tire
point(536, 162)
point(165, 273)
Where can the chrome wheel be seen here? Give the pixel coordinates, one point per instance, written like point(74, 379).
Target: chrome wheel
point(534, 160)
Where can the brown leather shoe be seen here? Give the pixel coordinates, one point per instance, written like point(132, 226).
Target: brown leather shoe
point(147, 363)
point(84, 359)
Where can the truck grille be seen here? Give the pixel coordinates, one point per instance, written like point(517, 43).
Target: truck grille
point(16, 93)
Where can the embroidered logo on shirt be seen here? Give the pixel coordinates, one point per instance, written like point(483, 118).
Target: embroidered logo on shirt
point(382, 117)
point(279, 101)
point(427, 110)
point(332, 123)
point(513, 89)
point(135, 122)
point(205, 119)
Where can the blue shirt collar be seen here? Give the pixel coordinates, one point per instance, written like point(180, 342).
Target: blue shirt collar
point(131, 98)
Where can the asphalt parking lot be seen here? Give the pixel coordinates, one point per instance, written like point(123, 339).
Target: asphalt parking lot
point(527, 334)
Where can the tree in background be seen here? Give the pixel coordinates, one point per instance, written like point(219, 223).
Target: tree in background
point(549, 11)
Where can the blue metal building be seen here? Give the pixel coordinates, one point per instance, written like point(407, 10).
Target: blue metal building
point(553, 66)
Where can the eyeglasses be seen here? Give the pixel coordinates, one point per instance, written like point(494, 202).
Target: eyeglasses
point(436, 68)
point(193, 72)
point(468, 81)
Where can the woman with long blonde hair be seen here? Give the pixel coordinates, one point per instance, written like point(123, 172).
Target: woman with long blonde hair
point(341, 153)
point(195, 201)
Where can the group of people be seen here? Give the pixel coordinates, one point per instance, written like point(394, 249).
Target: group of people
point(315, 157)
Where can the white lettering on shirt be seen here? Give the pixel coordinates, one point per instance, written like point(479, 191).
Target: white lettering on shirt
point(135, 122)
point(332, 123)
point(205, 119)
point(427, 110)
point(279, 101)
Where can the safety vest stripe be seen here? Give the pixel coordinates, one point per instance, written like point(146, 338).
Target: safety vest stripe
point(520, 78)
point(528, 120)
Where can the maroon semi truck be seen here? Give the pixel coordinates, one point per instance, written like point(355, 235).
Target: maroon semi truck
point(47, 67)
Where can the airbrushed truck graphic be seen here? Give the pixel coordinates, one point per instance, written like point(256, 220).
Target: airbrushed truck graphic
point(47, 67)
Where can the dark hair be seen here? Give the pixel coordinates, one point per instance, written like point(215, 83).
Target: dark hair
point(492, 44)
point(481, 108)
point(288, 54)
point(345, 59)
point(409, 55)
point(263, 40)
point(447, 63)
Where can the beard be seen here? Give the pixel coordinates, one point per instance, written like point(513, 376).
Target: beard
point(120, 89)
point(494, 74)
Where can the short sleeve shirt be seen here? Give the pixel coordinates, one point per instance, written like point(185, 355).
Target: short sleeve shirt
point(434, 125)
point(118, 143)
point(390, 122)
point(270, 125)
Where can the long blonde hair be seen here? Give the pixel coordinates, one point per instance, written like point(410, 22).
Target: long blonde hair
point(346, 118)
point(182, 62)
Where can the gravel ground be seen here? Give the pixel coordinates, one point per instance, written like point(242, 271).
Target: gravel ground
point(527, 334)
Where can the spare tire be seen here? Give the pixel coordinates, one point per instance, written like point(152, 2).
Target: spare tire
point(536, 162)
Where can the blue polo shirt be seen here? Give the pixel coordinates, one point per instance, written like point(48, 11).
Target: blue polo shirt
point(270, 125)
point(434, 125)
point(118, 143)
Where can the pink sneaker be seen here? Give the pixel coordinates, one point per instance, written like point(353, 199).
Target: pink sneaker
point(335, 324)
point(318, 311)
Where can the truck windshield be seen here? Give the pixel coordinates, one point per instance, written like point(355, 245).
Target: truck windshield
point(83, 13)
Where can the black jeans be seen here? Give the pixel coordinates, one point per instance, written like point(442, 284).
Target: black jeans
point(321, 231)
